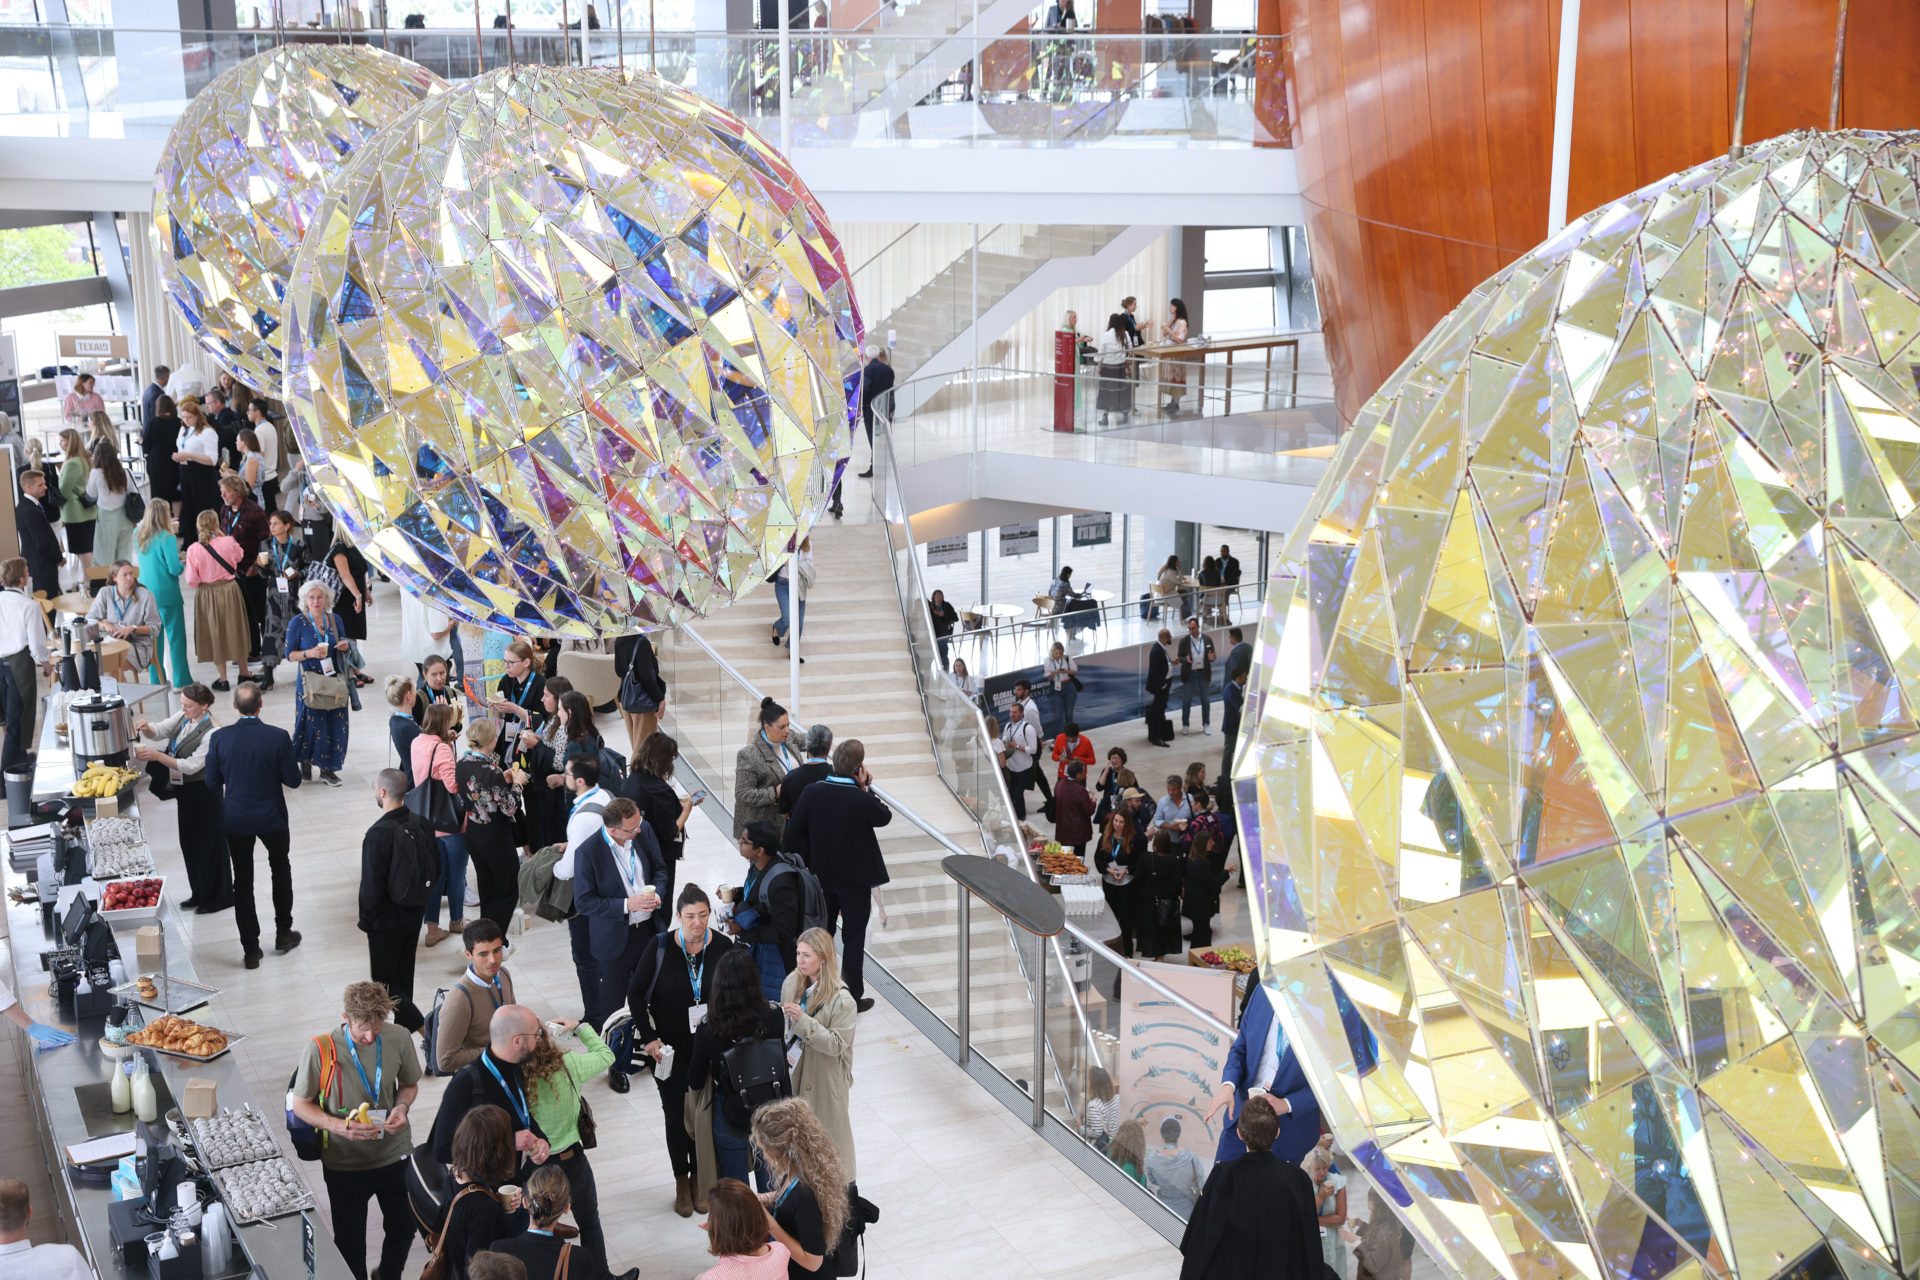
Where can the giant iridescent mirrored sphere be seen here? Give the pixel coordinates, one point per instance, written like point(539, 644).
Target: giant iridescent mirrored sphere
point(243, 171)
point(573, 353)
point(1588, 761)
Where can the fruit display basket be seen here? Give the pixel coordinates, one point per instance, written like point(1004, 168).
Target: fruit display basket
point(147, 892)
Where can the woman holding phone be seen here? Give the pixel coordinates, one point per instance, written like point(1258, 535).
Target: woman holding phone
point(650, 786)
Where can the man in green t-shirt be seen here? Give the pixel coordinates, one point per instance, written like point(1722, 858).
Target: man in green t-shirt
point(374, 1062)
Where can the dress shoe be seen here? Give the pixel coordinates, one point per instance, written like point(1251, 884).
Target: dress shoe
point(867, 474)
point(863, 1004)
point(619, 1082)
point(286, 940)
point(190, 904)
point(221, 686)
point(683, 1196)
point(252, 959)
point(632, 1273)
point(212, 908)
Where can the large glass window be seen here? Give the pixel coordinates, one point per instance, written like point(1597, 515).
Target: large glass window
point(44, 255)
point(1239, 249)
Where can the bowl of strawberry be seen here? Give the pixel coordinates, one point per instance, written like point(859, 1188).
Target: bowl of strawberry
point(137, 899)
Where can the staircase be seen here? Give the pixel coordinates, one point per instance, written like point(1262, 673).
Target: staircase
point(884, 71)
point(859, 679)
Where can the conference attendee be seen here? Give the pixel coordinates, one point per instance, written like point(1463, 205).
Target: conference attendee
point(250, 765)
point(616, 879)
point(242, 520)
point(39, 545)
point(1070, 745)
point(21, 1258)
point(317, 644)
point(23, 655)
point(1261, 1064)
point(437, 688)
point(944, 618)
point(125, 610)
point(179, 773)
point(554, 1080)
point(771, 910)
point(392, 929)
point(520, 688)
point(876, 386)
point(586, 808)
point(1256, 1218)
point(226, 423)
point(1073, 810)
point(1160, 689)
point(1330, 1195)
point(823, 1017)
point(1233, 704)
point(1200, 893)
point(1022, 741)
point(481, 1156)
point(737, 1234)
point(758, 768)
point(810, 1176)
point(1163, 879)
point(489, 1264)
point(466, 1015)
point(108, 485)
point(490, 800)
point(836, 820)
point(197, 455)
point(548, 1197)
point(350, 602)
point(401, 729)
point(542, 754)
point(158, 434)
point(1195, 658)
point(219, 608)
point(582, 738)
point(650, 786)
point(1062, 675)
point(496, 1079)
point(268, 437)
point(818, 746)
point(1119, 859)
point(1114, 777)
point(1175, 1174)
point(737, 1011)
point(635, 652)
point(155, 390)
point(158, 550)
point(1239, 652)
point(375, 1064)
point(1229, 566)
point(672, 980)
point(284, 572)
point(1385, 1250)
point(76, 517)
point(433, 757)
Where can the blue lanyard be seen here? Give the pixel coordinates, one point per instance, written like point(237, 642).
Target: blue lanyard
point(379, 1066)
point(633, 862)
point(520, 698)
point(281, 557)
point(495, 987)
point(520, 1108)
point(780, 750)
point(174, 741)
point(119, 610)
point(695, 974)
point(784, 1194)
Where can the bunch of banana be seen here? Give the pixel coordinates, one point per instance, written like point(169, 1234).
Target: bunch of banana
point(102, 779)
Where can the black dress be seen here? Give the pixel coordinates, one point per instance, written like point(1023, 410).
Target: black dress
point(158, 439)
point(352, 620)
point(1165, 880)
point(1200, 901)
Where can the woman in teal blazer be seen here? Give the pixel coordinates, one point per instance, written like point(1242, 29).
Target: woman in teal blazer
point(160, 569)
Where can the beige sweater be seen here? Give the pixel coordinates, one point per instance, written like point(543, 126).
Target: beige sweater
point(465, 1018)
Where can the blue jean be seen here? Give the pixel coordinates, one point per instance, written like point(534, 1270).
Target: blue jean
point(780, 597)
point(453, 879)
point(730, 1150)
point(1191, 687)
point(1064, 698)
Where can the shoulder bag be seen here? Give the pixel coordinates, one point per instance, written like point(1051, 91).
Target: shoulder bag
point(437, 1268)
point(323, 690)
point(566, 1261)
point(433, 804)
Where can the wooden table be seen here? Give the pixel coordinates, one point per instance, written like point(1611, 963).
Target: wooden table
point(996, 611)
point(1179, 351)
point(78, 602)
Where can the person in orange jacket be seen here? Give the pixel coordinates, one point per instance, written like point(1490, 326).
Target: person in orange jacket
point(1071, 746)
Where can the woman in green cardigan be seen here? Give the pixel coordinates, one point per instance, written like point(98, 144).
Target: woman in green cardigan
point(554, 1078)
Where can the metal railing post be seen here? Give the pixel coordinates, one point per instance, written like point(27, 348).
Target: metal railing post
point(1039, 1032)
point(964, 1019)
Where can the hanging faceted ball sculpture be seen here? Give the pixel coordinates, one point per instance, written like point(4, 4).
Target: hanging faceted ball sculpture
point(572, 353)
point(243, 171)
point(1589, 750)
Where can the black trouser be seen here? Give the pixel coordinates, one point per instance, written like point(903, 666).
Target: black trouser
point(673, 1101)
point(202, 846)
point(584, 968)
point(253, 589)
point(1159, 727)
point(850, 908)
point(1120, 898)
point(617, 971)
point(348, 1191)
point(497, 869)
point(1018, 780)
point(269, 495)
point(19, 682)
point(240, 848)
point(1040, 780)
point(390, 957)
point(1201, 913)
point(586, 1203)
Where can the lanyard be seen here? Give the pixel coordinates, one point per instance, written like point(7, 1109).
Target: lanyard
point(784, 1194)
point(520, 1107)
point(494, 987)
point(633, 863)
point(520, 698)
point(694, 972)
point(281, 556)
point(438, 695)
point(174, 741)
point(781, 750)
point(379, 1066)
point(229, 517)
point(120, 610)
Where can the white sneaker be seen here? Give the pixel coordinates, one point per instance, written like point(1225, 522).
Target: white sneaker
point(1185, 732)
point(1208, 730)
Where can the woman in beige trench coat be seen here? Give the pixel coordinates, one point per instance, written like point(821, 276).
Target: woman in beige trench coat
point(822, 1014)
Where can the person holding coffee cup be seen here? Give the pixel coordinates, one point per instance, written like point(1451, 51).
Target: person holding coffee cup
point(485, 1205)
point(614, 874)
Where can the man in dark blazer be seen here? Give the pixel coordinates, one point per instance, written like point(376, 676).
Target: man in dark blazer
point(1256, 1218)
point(1262, 1064)
point(1159, 688)
point(832, 829)
point(39, 545)
point(616, 875)
point(818, 765)
point(248, 764)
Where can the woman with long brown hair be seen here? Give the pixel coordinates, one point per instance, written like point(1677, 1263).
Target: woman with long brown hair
point(483, 1160)
point(1117, 857)
point(433, 757)
point(808, 1199)
point(108, 485)
point(197, 453)
point(75, 514)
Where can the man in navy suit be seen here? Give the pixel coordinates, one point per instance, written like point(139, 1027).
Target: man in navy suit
point(250, 761)
point(615, 875)
point(1261, 1062)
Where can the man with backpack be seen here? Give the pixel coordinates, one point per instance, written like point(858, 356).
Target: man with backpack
point(398, 864)
point(772, 910)
point(833, 827)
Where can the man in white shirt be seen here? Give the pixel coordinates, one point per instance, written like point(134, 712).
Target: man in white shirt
point(20, 1258)
point(23, 652)
point(584, 821)
point(269, 437)
point(1023, 743)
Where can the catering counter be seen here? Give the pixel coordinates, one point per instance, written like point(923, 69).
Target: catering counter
point(58, 1080)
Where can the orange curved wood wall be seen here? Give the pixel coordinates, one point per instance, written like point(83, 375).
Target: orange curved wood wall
point(1423, 130)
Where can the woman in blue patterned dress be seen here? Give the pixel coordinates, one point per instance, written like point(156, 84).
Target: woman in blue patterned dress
point(314, 637)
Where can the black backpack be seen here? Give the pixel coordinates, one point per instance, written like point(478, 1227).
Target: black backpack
point(430, 1037)
point(758, 1071)
point(847, 1257)
point(613, 767)
point(813, 899)
point(415, 866)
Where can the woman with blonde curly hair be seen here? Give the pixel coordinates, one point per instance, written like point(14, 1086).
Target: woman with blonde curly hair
point(808, 1202)
point(554, 1080)
point(824, 1017)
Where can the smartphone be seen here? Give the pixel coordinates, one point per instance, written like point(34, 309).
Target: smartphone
point(698, 796)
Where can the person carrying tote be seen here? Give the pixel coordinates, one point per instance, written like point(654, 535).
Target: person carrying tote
point(824, 1019)
point(433, 757)
point(315, 639)
point(219, 609)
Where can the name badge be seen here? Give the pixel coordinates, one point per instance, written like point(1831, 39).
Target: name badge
point(696, 1014)
point(280, 585)
point(793, 1053)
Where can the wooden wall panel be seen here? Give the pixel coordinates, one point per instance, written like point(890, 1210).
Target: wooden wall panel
point(1425, 130)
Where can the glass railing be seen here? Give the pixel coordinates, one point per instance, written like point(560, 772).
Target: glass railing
point(1100, 610)
point(868, 88)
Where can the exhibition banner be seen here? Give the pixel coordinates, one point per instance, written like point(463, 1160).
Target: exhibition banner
point(1020, 539)
point(947, 551)
point(1093, 528)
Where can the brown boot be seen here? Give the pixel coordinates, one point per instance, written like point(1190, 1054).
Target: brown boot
point(699, 1195)
point(683, 1196)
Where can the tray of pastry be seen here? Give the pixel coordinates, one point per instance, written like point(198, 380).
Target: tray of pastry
point(261, 1189)
point(167, 994)
point(180, 1038)
point(233, 1138)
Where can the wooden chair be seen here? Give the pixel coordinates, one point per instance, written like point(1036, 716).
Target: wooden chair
point(1043, 614)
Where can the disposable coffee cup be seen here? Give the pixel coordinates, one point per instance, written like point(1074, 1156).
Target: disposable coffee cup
point(646, 888)
point(508, 1191)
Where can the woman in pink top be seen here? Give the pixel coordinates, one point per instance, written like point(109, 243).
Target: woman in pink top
point(737, 1233)
point(81, 401)
point(433, 757)
point(219, 610)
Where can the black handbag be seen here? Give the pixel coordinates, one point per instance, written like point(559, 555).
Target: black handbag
point(588, 1126)
point(434, 805)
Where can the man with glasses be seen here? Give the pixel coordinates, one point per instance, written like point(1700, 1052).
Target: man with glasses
point(495, 1079)
point(615, 878)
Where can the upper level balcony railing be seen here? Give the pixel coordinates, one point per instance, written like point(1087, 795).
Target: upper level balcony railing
point(868, 88)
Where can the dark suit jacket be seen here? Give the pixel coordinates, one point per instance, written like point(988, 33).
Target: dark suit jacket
point(38, 543)
point(796, 781)
point(832, 829)
point(876, 384)
point(601, 895)
point(1255, 1220)
point(1300, 1127)
point(1156, 668)
point(248, 763)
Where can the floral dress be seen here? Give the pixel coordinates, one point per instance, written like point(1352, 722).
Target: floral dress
point(319, 737)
